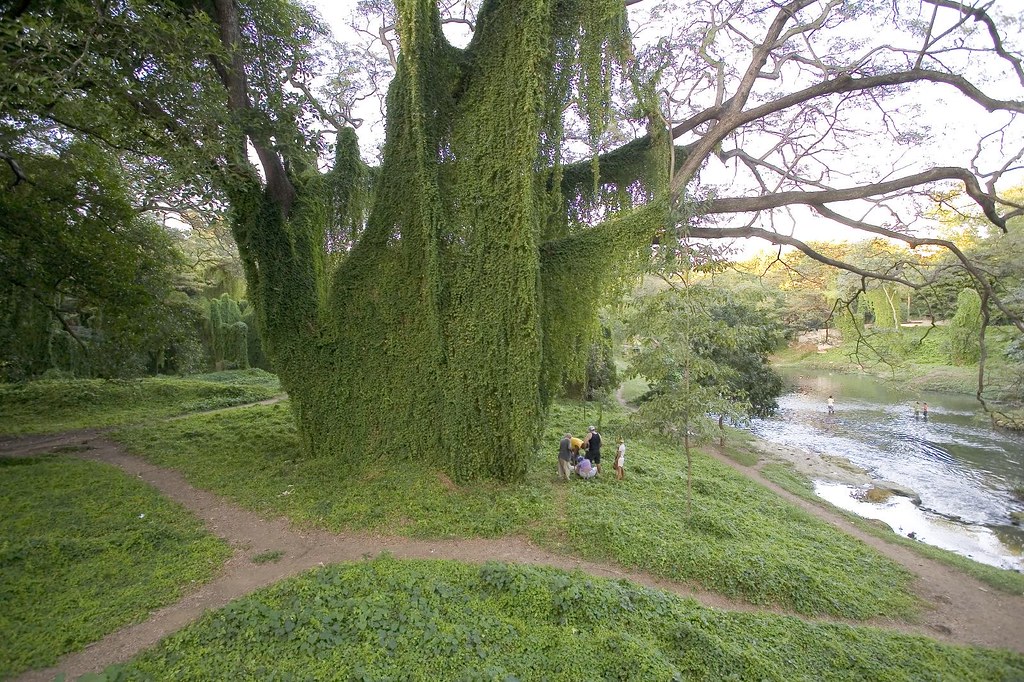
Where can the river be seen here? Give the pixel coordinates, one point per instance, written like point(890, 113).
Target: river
point(963, 470)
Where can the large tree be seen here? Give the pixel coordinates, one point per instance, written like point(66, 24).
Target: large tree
point(428, 308)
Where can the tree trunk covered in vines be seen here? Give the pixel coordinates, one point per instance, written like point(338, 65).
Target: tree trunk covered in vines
point(462, 306)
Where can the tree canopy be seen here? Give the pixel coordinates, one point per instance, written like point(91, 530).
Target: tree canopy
point(429, 307)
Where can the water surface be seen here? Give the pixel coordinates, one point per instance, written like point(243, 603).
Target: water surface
point(963, 469)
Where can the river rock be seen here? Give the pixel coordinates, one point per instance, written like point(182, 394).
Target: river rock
point(901, 490)
point(1017, 518)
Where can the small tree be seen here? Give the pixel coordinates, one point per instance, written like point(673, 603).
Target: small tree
point(229, 329)
point(673, 332)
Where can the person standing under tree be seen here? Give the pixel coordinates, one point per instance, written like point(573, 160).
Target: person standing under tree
point(620, 460)
point(565, 457)
point(594, 447)
point(831, 405)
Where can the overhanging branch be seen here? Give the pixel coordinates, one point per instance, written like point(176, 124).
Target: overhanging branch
point(770, 201)
point(776, 238)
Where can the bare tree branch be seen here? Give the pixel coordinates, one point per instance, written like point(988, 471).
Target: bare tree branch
point(980, 15)
point(760, 203)
point(777, 238)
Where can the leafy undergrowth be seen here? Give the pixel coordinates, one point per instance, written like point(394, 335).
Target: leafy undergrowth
point(742, 541)
point(214, 450)
point(439, 620)
point(59, 405)
point(85, 550)
point(1004, 580)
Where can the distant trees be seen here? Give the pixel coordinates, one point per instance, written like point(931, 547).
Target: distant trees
point(91, 284)
point(86, 280)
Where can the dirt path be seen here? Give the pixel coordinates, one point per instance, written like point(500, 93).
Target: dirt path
point(965, 612)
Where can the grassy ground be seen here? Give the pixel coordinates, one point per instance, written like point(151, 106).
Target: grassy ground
point(212, 450)
point(420, 620)
point(50, 406)
point(85, 550)
point(634, 388)
point(742, 540)
point(1010, 582)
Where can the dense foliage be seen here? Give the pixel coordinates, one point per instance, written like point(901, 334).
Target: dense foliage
point(389, 619)
point(85, 550)
point(705, 345)
point(86, 281)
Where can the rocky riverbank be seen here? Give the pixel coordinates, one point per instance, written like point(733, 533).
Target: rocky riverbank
point(811, 465)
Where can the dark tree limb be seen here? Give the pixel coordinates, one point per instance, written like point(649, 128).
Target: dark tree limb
point(980, 15)
point(235, 81)
point(19, 174)
point(809, 251)
point(769, 201)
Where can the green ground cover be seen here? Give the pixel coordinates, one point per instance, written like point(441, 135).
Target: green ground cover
point(436, 620)
point(1010, 582)
point(85, 550)
point(388, 496)
point(633, 388)
point(61, 405)
point(742, 541)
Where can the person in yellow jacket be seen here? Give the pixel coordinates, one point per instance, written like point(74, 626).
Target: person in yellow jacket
point(574, 447)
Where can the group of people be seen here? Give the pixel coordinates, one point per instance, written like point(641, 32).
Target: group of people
point(582, 456)
point(919, 408)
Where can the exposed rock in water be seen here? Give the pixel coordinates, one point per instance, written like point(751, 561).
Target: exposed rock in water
point(897, 489)
point(874, 495)
point(1017, 518)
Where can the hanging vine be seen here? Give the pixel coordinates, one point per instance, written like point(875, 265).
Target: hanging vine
point(431, 312)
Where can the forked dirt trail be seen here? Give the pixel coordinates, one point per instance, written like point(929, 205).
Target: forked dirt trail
point(964, 611)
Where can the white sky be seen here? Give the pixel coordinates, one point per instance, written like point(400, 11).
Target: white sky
point(953, 120)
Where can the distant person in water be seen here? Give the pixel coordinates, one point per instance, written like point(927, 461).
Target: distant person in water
point(924, 409)
point(831, 405)
point(917, 409)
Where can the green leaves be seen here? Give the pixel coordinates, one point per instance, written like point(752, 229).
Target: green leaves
point(84, 550)
point(386, 623)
